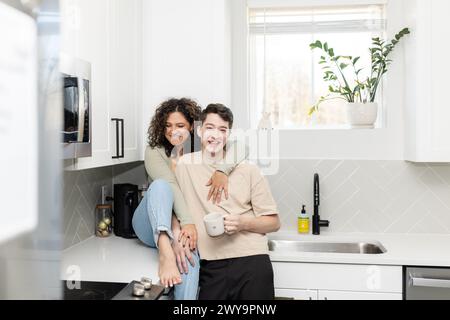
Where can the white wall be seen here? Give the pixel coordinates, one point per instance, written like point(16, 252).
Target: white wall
point(186, 52)
point(197, 48)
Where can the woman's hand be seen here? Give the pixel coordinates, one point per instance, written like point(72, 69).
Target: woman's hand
point(219, 184)
point(188, 236)
point(181, 254)
point(235, 223)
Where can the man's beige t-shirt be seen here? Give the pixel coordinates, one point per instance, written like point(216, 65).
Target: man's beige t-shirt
point(249, 194)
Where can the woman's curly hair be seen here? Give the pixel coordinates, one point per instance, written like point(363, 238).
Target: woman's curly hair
point(157, 130)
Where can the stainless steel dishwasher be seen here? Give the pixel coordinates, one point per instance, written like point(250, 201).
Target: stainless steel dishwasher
point(427, 283)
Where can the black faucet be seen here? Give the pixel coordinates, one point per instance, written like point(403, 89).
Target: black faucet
point(317, 223)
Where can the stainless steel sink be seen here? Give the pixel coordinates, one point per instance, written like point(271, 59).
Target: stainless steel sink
point(281, 246)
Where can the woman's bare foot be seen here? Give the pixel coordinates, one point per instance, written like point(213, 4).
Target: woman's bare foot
point(169, 274)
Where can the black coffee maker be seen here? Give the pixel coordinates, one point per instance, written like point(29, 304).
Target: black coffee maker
point(125, 203)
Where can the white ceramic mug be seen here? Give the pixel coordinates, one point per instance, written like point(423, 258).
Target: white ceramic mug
point(214, 224)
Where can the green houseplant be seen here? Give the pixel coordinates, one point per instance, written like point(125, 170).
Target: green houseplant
point(359, 93)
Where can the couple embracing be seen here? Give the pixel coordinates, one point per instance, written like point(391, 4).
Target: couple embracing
point(191, 179)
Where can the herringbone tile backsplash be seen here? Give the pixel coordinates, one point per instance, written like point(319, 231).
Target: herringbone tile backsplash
point(356, 196)
point(367, 196)
point(82, 192)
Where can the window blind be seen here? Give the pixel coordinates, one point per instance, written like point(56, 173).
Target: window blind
point(317, 19)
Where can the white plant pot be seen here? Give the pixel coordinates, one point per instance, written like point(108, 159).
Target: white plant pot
point(362, 115)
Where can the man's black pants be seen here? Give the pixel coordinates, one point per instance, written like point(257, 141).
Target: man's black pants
point(245, 278)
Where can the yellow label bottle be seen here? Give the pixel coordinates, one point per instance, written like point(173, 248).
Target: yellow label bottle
point(303, 222)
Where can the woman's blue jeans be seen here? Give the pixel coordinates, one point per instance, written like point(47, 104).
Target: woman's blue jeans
point(153, 216)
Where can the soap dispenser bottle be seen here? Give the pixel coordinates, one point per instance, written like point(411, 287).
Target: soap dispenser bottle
point(303, 222)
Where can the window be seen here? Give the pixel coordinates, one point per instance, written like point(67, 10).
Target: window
point(285, 78)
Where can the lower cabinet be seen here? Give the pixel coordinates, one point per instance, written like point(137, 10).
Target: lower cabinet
point(321, 281)
point(293, 294)
point(354, 295)
point(290, 294)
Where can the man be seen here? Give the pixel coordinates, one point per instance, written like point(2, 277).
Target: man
point(235, 266)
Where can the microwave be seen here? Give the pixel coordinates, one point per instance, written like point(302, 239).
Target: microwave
point(77, 105)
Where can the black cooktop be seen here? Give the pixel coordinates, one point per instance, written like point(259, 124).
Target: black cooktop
point(90, 290)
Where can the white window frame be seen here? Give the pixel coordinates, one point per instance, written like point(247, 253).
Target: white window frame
point(385, 143)
point(252, 78)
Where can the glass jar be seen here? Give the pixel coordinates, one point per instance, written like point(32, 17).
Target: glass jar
point(103, 220)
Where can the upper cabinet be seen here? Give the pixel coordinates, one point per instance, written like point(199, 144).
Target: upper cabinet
point(427, 105)
point(108, 34)
point(125, 74)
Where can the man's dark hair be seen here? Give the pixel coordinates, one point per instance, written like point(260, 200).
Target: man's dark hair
point(219, 109)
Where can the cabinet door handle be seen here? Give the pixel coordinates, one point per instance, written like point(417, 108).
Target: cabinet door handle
point(117, 156)
point(431, 283)
point(119, 139)
point(123, 138)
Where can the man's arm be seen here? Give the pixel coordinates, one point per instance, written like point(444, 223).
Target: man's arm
point(265, 218)
point(263, 224)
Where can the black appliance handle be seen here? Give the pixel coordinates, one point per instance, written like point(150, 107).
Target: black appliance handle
point(129, 199)
point(122, 139)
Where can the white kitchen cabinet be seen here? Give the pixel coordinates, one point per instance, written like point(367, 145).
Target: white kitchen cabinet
point(125, 66)
point(354, 295)
point(427, 104)
point(108, 34)
point(291, 294)
point(337, 281)
point(84, 30)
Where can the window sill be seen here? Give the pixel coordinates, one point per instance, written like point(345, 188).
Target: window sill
point(341, 143)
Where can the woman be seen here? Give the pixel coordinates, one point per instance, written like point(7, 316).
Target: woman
point(171, 134)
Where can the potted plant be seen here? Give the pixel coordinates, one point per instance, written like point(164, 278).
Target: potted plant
point(362, 110)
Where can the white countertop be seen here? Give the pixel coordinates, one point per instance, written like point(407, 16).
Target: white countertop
point(111, 259)
point(122, 260)
point(402, 250)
